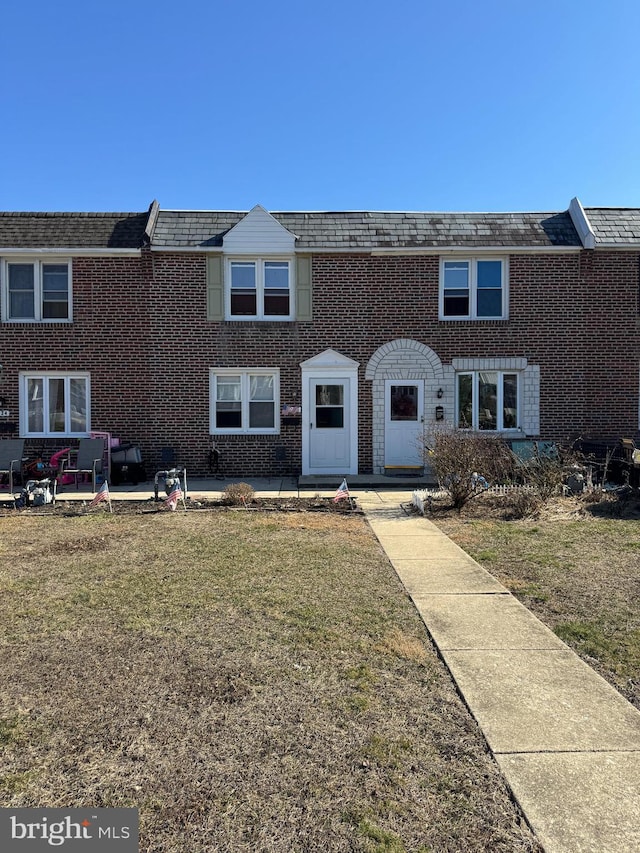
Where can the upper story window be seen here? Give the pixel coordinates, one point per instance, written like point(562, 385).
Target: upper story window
point(54, 404)
point(473, 289)
point(36, 290)
point(259, 289)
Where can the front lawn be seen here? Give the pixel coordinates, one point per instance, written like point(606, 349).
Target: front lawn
point(251, 682)
point(575, 566)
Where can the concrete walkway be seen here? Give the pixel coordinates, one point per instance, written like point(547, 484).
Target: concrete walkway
point(566, 741)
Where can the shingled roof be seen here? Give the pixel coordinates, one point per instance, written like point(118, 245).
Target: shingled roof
point(367, 230)
point(73, 230)
point(614, 226)
point(339, 230)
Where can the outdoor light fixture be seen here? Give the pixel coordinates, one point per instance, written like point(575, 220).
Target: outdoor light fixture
point(440, 393)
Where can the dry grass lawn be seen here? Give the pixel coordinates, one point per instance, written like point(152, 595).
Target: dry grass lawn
point(576, 566)
point(250, 682)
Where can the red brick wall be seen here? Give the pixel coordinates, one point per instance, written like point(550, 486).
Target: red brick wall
point(109, 337)
point(140, 328)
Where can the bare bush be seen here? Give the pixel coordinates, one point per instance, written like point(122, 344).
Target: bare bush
point(465, 463)
point(525, 504)
point(239, 494)
point(547, 470)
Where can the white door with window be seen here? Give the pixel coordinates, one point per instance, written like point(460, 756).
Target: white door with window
point(329, 414)
point(404, 423)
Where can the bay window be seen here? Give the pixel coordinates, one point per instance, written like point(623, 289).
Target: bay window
point(487, 400)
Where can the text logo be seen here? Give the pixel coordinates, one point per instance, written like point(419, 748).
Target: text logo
point(72, 830)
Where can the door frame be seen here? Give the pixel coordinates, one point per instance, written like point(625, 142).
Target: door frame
point(330, 365)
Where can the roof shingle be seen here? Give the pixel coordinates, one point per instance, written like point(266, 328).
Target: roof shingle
point(615, 226)
point(367, 230)
point(73, 230)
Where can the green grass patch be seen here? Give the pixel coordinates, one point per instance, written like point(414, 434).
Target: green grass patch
point(588, 638)
point(581, 577)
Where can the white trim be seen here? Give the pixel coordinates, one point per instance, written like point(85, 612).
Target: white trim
point(244, 373)
point(612, 247)
point(581, 223)
point(468, 250)
point(23, 378)
point(409, 251)
point(198, 250)
point(329, 360)
point(69, 250)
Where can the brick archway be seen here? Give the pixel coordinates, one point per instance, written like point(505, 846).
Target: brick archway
point(402, 359)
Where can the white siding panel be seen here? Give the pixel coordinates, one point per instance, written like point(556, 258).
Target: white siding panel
point(259, 233)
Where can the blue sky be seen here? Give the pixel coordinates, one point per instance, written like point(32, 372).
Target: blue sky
point(345, 104)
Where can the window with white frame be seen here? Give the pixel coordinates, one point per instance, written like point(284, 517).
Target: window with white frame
point(473, 289)
point(245, 400)
point(54, 404)
point(488, 400)
point(36, 290)
point(259, 289)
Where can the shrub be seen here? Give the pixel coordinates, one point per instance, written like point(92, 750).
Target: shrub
point(546, 471)
point(238, 494)
point(466, 462)
point(525, 504)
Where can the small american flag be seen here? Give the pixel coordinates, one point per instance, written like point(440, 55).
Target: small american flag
point(174, 496)
point(343, 492)
point(102, 495)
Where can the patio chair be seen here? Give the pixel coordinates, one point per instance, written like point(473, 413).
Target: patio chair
point(88, 460)
point(11, 453)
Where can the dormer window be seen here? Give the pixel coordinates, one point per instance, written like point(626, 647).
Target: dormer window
point(259, 289)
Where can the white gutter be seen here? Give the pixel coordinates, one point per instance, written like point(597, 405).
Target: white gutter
point(412, 250)
point(582, 224)
point(66, 251)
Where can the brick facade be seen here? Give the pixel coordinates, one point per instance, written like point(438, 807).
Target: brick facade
point(140, 329)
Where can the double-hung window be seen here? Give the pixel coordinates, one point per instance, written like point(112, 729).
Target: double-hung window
point(36, 290)
point(488, 400)
point(473, 289)
point(259, 289)
point(54, 404)
point(245, 400)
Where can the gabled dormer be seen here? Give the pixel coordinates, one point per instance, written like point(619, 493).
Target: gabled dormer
point(259, 233)
point(258, 276)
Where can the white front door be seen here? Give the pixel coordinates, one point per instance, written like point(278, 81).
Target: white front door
point(329, 426)
point(330, 414)
point(404, 423)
